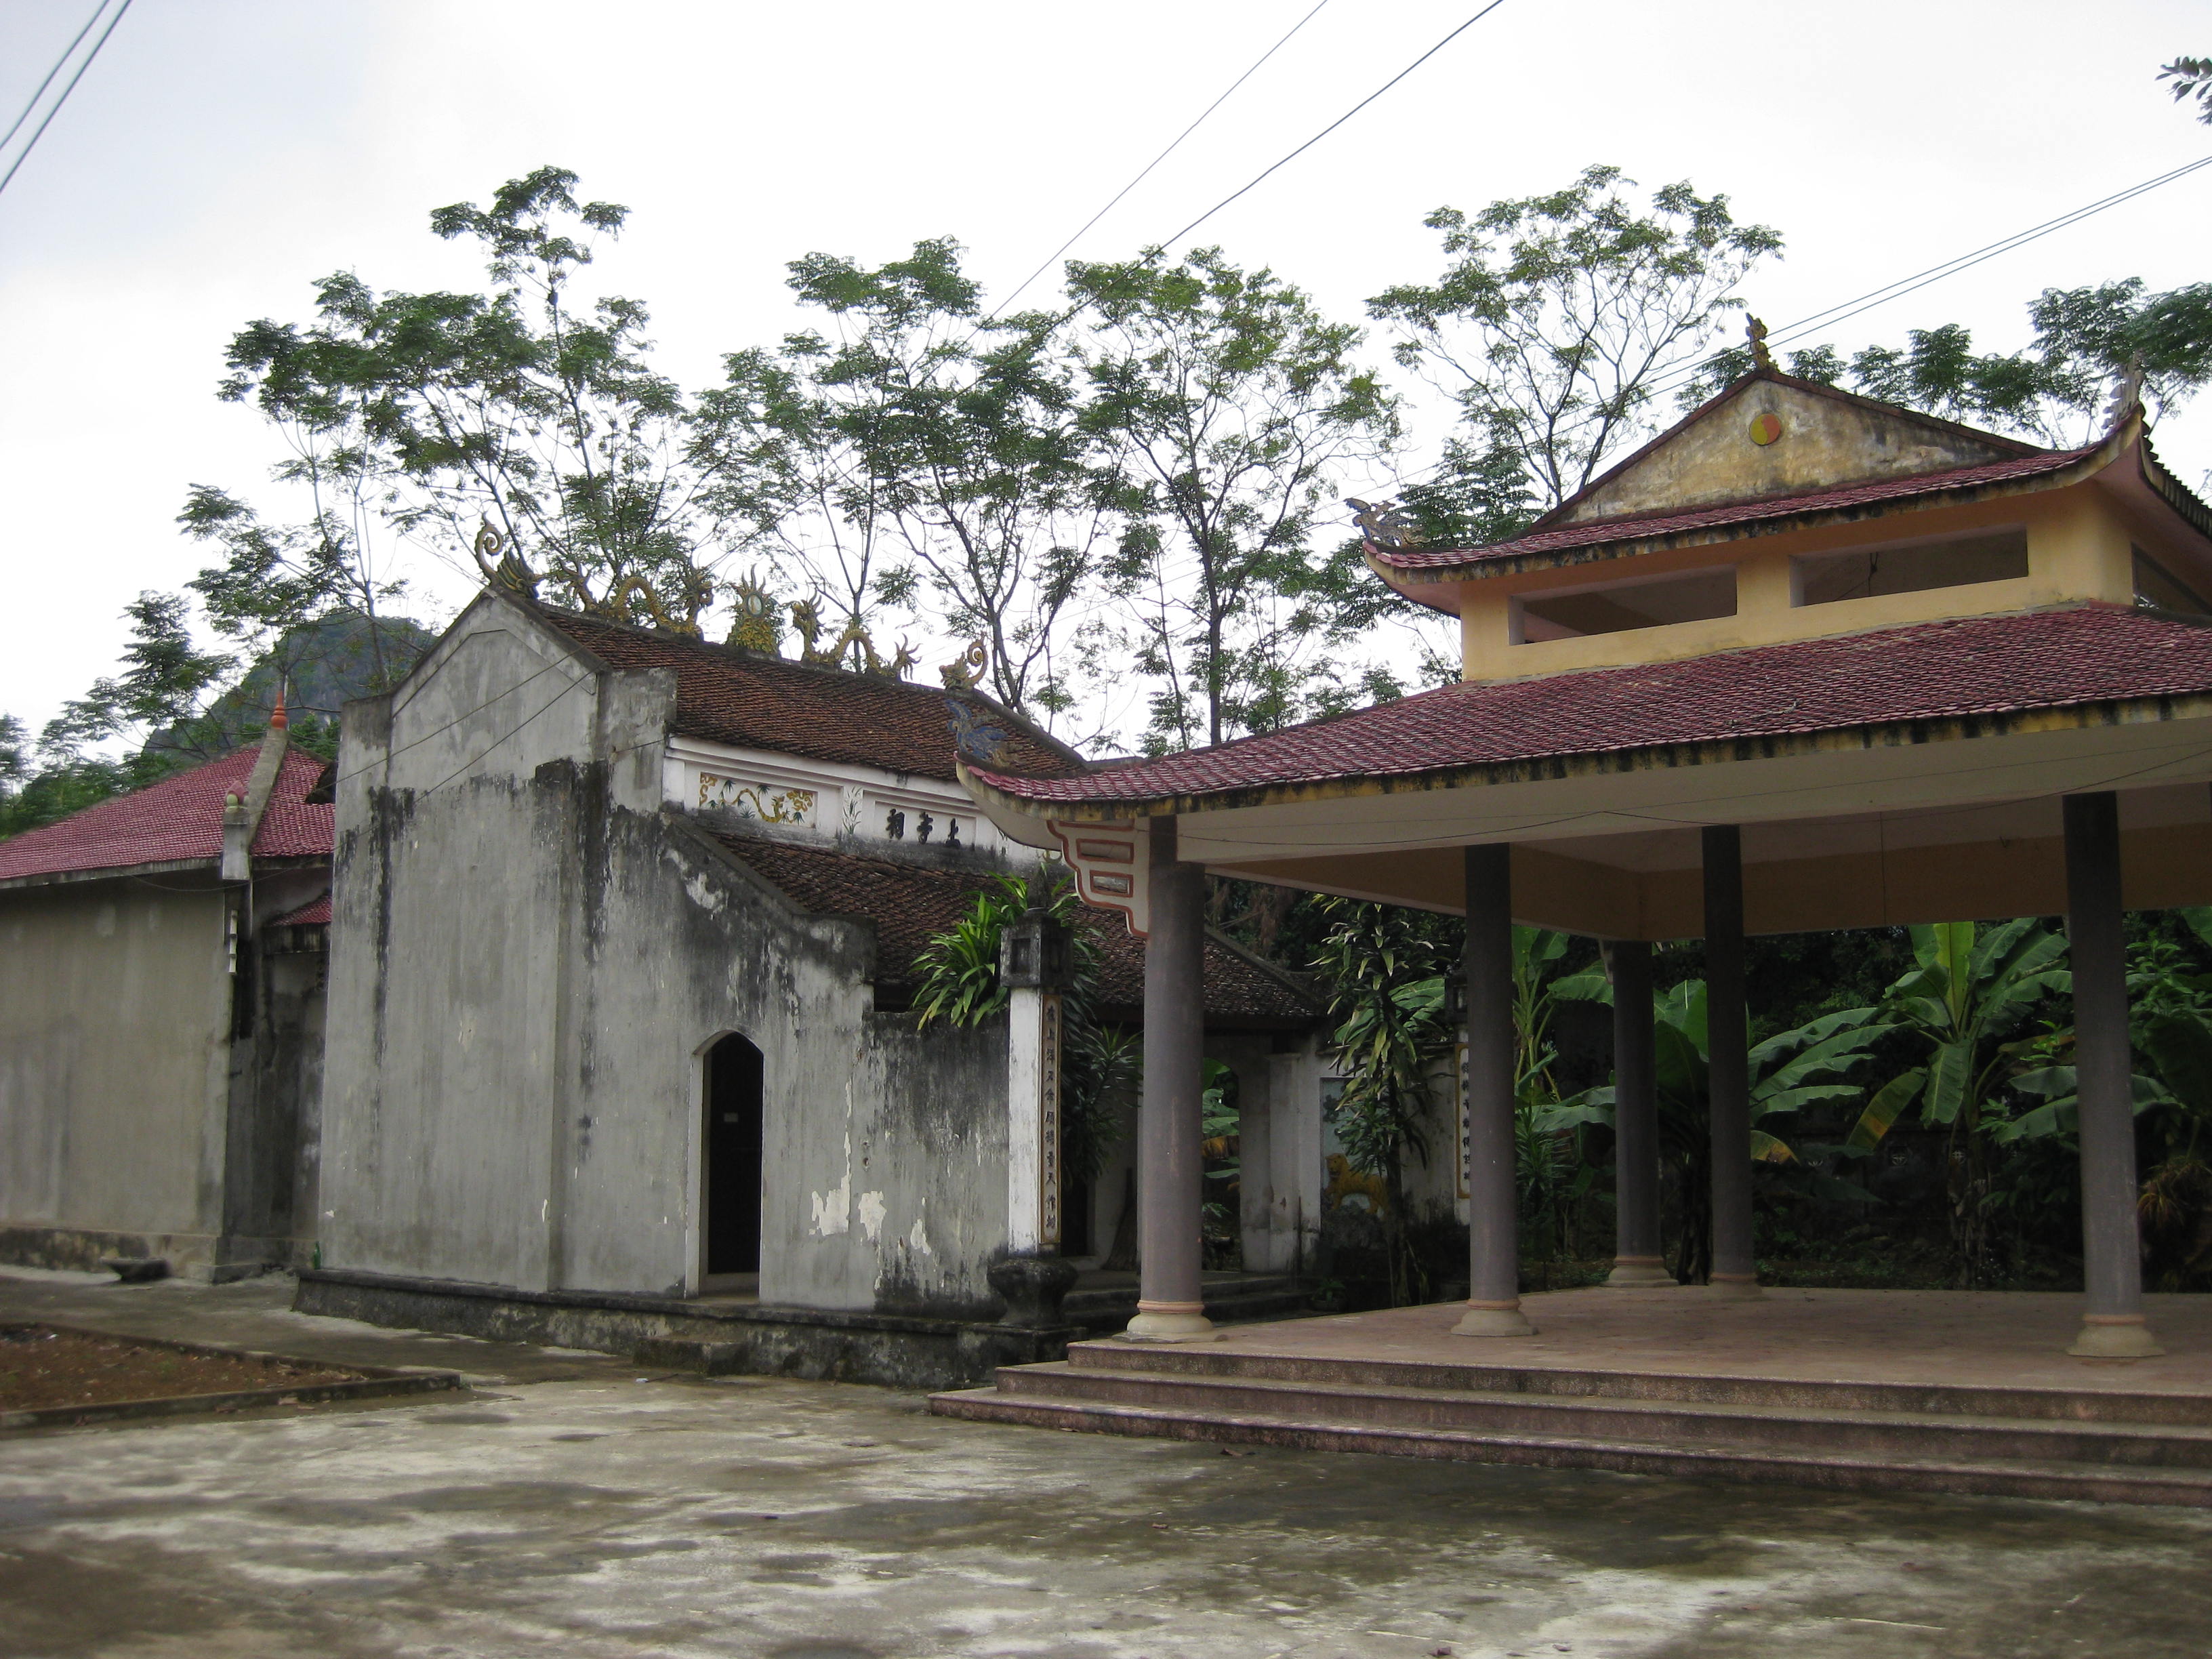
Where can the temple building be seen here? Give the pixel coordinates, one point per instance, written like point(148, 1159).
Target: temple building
point(621, 1038)
point(1804, 661)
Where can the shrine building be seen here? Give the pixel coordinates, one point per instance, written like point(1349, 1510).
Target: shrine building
point(1804, 661)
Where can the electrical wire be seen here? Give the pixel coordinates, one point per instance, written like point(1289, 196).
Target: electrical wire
point(1054, 256)
point(67, 52)
point(32, 143)
point(1265, 173)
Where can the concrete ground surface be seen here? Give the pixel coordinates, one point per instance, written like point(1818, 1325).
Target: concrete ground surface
point(568, 1508)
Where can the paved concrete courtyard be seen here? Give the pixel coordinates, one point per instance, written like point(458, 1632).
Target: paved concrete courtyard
point(567, 1507)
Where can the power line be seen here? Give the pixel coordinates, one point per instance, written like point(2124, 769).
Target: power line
point(1334, 126)
point(1867, 301)
point(1154, 162)
point(67, 51)
point(32, 143)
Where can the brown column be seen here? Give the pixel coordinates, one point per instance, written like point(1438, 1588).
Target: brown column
point(1493, 1304)
point(1728, 1065)
point(1637, 1261)
point(2113, 1325)
point(1171, 1305)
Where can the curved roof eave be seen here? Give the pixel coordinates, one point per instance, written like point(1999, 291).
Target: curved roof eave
point(1740, 520)
point(1877, 734)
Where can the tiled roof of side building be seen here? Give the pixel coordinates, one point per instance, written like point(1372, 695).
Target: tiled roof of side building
point(728, 695)
point(314, 913)
point(1985, 665)
point(177, 821)
point(1647, 526)
point(910, 905)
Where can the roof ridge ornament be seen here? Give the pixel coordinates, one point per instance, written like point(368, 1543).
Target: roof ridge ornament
point(509, 572)
point(2127, 391)
point(1754, 334)
point(965, 671)
point(1385, 523)
point(976, 741)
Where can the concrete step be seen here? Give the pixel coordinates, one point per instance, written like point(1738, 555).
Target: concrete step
point(1124, 1295)
point(1834, 1469)
point(1945, 1436)
point(2091, 1405)
point(1238, 1301)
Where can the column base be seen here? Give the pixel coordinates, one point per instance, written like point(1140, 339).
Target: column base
point(1638, 1273)
point(1735, 1287)
point(2115, 1336)
point(1494, 1319)
point(1171, 1321)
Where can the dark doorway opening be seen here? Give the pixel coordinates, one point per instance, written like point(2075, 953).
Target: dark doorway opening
point(734, 1075)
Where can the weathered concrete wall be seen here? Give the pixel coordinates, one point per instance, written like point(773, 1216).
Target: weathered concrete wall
point(114, 1050)
point(530, 959)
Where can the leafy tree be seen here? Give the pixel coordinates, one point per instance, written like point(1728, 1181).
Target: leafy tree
point(1555, 314)
point(164, 687)
point(519, 409)
point(1225, 401)
point(2192, 78)
point(954, 436)
point(2057, 391)
point(156, 710)
point(1384, 973)
point(1972, 988)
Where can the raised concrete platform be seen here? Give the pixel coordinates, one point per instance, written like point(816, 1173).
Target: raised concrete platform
point(1863, 1390)
point(739, 1334)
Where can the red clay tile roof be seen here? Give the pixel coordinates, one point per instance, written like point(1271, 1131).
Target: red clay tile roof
point(825, 713)
point(1651, 526)
point(314, 915)
point(1929, 671)
point(910, 905)
point(177, 821)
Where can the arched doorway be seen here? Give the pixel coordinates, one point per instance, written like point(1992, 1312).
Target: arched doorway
point(732, 1157)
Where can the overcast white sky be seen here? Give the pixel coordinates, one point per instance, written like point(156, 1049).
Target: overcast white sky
point(223, 154)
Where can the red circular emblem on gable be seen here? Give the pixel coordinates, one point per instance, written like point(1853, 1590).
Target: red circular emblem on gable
point(1766, 428)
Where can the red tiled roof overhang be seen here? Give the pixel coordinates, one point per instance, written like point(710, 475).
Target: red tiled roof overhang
point(177, 821)
point(1659, 526)
point(1984, 666)
point(751, 701)
point(910, 905)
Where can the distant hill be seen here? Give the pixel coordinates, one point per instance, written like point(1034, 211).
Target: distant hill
point(322, 666)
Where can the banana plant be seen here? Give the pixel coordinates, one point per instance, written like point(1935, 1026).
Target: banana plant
point(1969, 989)
point(1809, 1065)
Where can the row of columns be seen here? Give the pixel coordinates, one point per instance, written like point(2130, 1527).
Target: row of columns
point(1170, 1305)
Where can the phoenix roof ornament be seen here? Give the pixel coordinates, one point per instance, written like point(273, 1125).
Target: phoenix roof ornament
point(1386, 523)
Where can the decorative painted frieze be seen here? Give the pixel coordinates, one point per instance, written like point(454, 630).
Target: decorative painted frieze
point(766, 802)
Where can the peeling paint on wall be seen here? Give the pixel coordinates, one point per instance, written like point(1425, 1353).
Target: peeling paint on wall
point(871, 1214)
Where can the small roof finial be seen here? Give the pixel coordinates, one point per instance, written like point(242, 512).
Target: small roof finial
point(278, 719)
point(2127, 391)
point(1755, 334)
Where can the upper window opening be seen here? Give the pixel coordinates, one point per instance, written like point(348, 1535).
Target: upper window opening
point(1957, 562)
point(1698, 597)
point(2158, 587)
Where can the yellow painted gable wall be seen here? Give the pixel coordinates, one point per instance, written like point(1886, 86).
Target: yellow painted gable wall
point(2079, 542)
